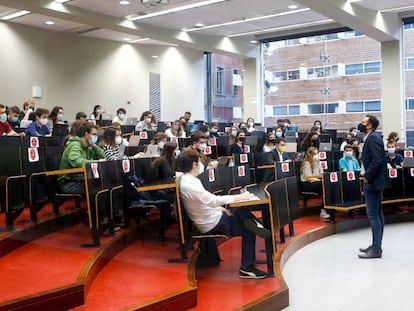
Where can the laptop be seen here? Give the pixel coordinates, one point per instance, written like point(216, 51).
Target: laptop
point(133, 141)
point(152, 151)
point(131, 121)
point(325, 147)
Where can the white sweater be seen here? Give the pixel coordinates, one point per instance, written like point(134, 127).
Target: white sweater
point(204, 208)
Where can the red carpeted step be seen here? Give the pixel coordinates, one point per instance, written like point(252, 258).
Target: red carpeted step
point(138, 274)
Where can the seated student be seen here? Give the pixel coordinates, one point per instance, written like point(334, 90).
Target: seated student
point(13, 116)
point(79, 150)
point(233, 134)
point(250, 125)
point(120, 117)
point(311, 140)
point(199, 144)
point(214, 129)
point(209, 216)
point(5, 127)
point(309, 173)
point(39, 127)
point(394, 160)
point(317, 125)
point(28, 111)
point(147, 122)
point(348, 162)
point(279, 154)
point(279, 132)
point(97, 113)
point(176, 130)
point(56, 115)
point(270, 143)
point(238, 146)
point(111, 145)
point(82, 117)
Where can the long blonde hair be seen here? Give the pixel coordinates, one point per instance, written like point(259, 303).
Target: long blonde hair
point(309, 158)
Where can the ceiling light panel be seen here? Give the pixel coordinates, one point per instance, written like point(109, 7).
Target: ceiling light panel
point(37, 20)
point(14, 15)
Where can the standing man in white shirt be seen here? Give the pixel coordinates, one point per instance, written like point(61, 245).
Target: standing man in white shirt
point(209, 216)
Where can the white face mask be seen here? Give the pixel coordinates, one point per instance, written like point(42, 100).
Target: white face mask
point(148, 120)
point(118, 140)
point(43, 121)
point(250, 123)
point(121, 116)
point(278, 134)
point(391, 150)
point(161, 145)
point(234, 133)
point(202, 146)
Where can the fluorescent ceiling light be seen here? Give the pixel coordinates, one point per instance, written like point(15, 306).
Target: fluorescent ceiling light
point(138, 40)
point(124, 2)
point(127, 39)
point(292, 7)
point(15, 15)
point(177, 9)
point(246, 20)
point(398, 8)
point(281, 28)
point(50, 22)
point(61, 1)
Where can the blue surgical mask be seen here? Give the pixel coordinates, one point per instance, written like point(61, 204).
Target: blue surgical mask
point(177, 153)
point(348, 154)
point(121, 116)
point(14, 119)
point(59, 117)
point(93, 140)
point(3, 117)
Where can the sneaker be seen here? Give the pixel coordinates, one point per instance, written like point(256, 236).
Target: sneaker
point(251, 273)
point(324, 214)
point(257, 228)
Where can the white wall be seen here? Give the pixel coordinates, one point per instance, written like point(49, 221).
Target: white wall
point(78, 73)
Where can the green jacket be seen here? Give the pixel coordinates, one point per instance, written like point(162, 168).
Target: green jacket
point(76, 154)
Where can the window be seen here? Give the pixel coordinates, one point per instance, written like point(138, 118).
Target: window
point(293, 75)
point(315, 108)
point(374, 105)
point(409, 103)
point(294, 110)
point(409, 63)
point(280, 110)
point(235, 87)
point(220, 80)
point(331, 108)
point(279, 76)
point(372, 67)
point(354, 69)
point(409, 139)
point(355, 106)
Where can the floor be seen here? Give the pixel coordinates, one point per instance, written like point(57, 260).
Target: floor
point(328, 275)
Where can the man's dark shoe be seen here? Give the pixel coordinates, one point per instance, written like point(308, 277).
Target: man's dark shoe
point(370, 254)
point(257, 228)
point(366, 249)
point(251, 273)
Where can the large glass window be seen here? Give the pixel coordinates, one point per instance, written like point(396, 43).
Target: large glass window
point(333, 77)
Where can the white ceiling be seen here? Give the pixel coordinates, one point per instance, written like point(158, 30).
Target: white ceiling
point(107, 19)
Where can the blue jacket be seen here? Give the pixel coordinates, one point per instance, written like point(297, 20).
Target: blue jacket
point(374, 161)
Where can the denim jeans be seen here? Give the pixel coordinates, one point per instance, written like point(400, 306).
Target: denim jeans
point(233, 226)
point(375, 216)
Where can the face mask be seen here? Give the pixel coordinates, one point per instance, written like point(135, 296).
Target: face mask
point(355, 133)
point(242, 139)
point(43, 121)
point(348, 154)
point(118, 140)
point(207, 134)
point(234, 133)
point(214, 130)
point(99, 111)
point(202, 146)
point(93, 140)
point(161, 145)
point(250, 123)
point(176, 127)
point(318, 126)
point(121, 116)
point(3, 118)
point(148, 120)
point(278, 134)
point(316, 157)
point(362, 128)
point(59, 117)
point(177, 153)
point(31, 109)
point(391, 150)
point(273, 141)
point(281, 149)
point(14, 119)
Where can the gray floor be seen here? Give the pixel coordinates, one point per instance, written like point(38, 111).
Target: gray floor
point(328, 275)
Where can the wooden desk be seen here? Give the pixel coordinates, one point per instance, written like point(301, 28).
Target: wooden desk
point(262, 205)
